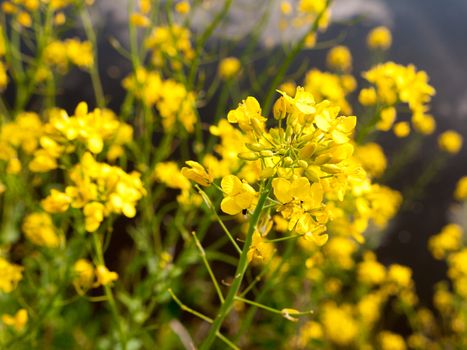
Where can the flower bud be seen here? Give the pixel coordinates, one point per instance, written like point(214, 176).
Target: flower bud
point(248, 156)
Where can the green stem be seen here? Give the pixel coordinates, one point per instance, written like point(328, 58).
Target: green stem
point(208, 267)
point(203, 317)
point(239, 273)
point(94, 71)
point(212, 208)
point(108, 293)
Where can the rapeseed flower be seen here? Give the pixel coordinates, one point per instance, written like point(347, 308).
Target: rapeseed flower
point(450, 141)
point(10, 275)
point(379, 38)
point(18, 320)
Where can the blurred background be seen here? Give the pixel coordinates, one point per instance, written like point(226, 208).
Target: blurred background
point(429, 33)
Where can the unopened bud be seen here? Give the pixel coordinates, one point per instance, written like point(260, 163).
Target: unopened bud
point(312, 172)
point(288, 161)
point(248, 156)
point(307, 151)
point(331, 168)
point(322, 159)
point(280, 108)
point(266, 153)
point(255, 146)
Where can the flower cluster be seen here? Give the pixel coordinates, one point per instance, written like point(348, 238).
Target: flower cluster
point(60, 54)
point(393, 84)
point(170, 44)
point(174, 103)
point(10, 274)
point(39, 229)
point(99, 189)
point(332, 87)
point(315, 180)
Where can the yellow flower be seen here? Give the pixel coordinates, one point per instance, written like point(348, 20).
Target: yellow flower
point(310, 195)
point(24, 19)
point(14, 166)
point(286, 8)
point(238, 195)
point(18, 321)
point(104, 276)
point(367, 97)
point(309, 331)
point(10, 275)
point(59, 19)
point(369, 308)
point(44, 160)
point(391, 341)
point(402, 129)
point(339, 58)
point(183, 7)
point(3, 76)
point(84, 275)
point(94, 215)
point(248, 115)
point(289, 87)
point(379, 38)
point(395, 83)
point(450, 141)
point(169, 44)
point(80, 53)
point(400, 275)
point(370, 271)
point(229, 67)
point(448, 240)
point(197, 173)
point(56, 202)
point(340, 128)
point(145, 6)
point(424, 124)
point(169, 174)
point(139, 20)
point(372, 158)
point(461, 189)
point(340, 250)
point(260, 251)
point(39, 228)
point(338, 323)
point(387, 118)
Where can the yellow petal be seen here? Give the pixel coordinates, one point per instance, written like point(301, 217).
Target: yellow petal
point(281, 188)
point(229, 206)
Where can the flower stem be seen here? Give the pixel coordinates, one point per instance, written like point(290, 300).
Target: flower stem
point(108, 293)
point(239, 273)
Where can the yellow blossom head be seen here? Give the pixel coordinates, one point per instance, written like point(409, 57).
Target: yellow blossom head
point(197, 173)
point(450, 141)
point(229, 67)
point(379, 38)
point(18, 321)
point(39, 228)
point(339, 58)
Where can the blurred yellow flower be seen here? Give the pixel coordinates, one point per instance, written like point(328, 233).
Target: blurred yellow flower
point(18, 320)
point(10, 275)
point(402, 129)
point(39, 229)
point(450, 141)
point(229, 67)
point(339, 58)
point(379, 38)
